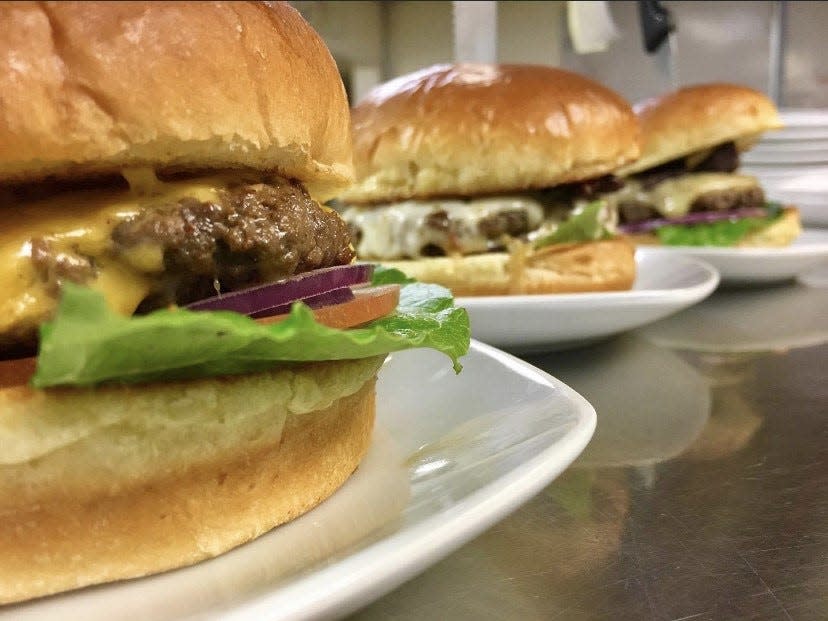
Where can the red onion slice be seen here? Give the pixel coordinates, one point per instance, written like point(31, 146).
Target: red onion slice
point(334, 296)
point(697, 217)
point(264, 300)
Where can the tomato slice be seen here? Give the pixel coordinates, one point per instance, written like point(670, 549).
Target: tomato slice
point(16, 372)
point(368, 304)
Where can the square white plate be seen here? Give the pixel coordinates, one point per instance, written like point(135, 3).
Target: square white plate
point(536, 323)
point(452, 454)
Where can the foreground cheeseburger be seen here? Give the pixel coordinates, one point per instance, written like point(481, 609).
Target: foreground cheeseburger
point(686, 189)
point(152, 155)
point(483, 178)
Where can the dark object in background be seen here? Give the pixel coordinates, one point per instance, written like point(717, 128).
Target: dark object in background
point(656, 24)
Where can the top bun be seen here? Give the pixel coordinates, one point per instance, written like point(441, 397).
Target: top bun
point(89, 88)
point(699, 117)
point(473, 128)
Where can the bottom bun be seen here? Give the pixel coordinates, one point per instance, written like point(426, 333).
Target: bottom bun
point(607, 265)
point(780, 232)
point(143, 479)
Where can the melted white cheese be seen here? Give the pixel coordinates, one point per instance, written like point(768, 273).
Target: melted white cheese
point(400, 230)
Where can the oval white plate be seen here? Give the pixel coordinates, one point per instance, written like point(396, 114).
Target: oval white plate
point(814, 214)
point(788, 146)
point(533, 323)
point(452, 454)
point(815, 157)
point(802, 133)
point(813, 211)
point(757, 265)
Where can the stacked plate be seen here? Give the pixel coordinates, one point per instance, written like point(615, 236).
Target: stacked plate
point(792, 163)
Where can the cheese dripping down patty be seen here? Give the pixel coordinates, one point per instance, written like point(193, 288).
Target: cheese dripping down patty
point(80, 224)
point(146, 244)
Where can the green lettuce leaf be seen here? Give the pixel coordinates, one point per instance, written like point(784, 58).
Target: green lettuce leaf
point(87, 343)
point(584, 224)
point(389, 276)
point(721, 233)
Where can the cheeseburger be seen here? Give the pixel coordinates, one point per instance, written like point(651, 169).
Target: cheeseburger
point(483, 178)
point(206, 350)
point(686, 189)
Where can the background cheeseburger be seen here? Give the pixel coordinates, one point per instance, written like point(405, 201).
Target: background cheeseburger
point(152, 155)
point(685, 189)
point(483, 178)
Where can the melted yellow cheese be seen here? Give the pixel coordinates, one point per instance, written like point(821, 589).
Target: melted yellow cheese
point(81, 223)
point(673, 197)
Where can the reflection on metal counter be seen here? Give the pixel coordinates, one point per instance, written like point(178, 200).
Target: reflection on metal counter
point(735, 321)
point(732, 520)
point(628, 381)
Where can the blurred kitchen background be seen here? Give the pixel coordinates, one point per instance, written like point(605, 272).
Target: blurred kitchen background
point(778, 47)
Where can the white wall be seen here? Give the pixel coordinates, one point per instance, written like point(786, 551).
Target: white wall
point(806, 55)
point(530, 32)
point(353, 32)
point(419, 34)
point(726, 41)
point(717, 41)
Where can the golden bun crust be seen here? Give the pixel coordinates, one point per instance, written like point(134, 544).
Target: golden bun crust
point(699, 117)
point(607, 265)
point(472, 129)
point(212, 464)
point(89, 88)
point(781, 232)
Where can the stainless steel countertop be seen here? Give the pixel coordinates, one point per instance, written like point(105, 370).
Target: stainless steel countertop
point(703, 494)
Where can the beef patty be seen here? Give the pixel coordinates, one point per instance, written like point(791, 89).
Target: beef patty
point(250, 234)
point(631, 212)
point(723, 158)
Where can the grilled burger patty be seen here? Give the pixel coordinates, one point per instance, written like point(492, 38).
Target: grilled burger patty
point(173, 248)
point(715, 167)
point(252, 233)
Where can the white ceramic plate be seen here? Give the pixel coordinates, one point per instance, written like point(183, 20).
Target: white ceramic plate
point(801, 133)
point(790, 176)
point(813, 214)
point(788, 146)
point(815, 157)
point(809, 182)
point(805, 124)
point(757, 265)
point(813, 209)
point(451, 455)
point(807, 190)
point(535, 323)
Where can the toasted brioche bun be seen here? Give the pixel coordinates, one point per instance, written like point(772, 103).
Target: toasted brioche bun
point(779, 233)
point(472, 129)
point(122, 482)
point(89, 88)
point(699, 117)
point(563, 268)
